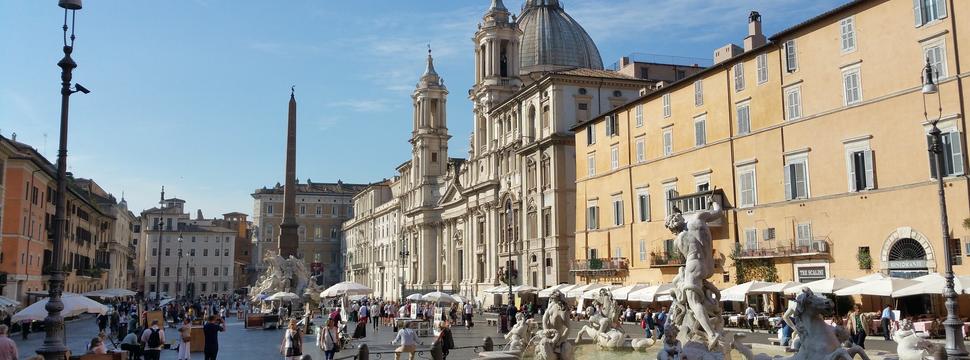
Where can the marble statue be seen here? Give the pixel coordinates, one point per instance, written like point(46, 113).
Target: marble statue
point(287, 275)
point(672, 349)
point(601, 324)
point(909, 345)
point(519, 334)
point(789, 317)
point(551, 341)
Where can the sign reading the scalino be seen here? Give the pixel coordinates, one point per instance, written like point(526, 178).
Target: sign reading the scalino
point(811, 273)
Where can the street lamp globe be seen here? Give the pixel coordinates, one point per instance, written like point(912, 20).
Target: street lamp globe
point(929, 85)
point(70, 4)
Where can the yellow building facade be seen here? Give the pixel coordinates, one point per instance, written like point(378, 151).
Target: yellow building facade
point(814, 141)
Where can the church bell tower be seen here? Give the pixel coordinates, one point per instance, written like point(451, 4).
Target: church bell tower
point(496, 68)
point(429, 140)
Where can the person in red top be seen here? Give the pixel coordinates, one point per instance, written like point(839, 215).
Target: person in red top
point(8, 349)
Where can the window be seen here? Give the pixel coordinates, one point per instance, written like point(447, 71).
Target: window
point(796, 177)
point(618, 252)
point(803, 234)
point(205, 252)
point(926, 11)
point(168, 252)
point(668, 136)
point(547, 222)
point(738, 77)
point(643, 250)
point(215, 271)
point(612, 128)
point(154, 251)
point(153, 271)
point(591, 134)
point(614, 157)
point(744, 118)
point(205, 271)
point(594, 254)
point(860, 166)
point(592, 221)
point(583, 106)
point(319, 210)
point(952, 154)
point(191, 252)
point(747, 183)
point(852, 86)
point(698, 93)
point(591, 164)
point(666, 105)
point(643, 202)
point(640, 148)
point(751, 239)
point(793, 102)
point(639, 115)
point(317, 232)
point(302, 209)
point(700, 131)
point(702, 182)
point(269, 209)
point(848, 34)
point(762, 68)
point(935, 54)
point(791, 59)
point(670, 192)
point(333, 232)
point(434, 157)
point(617, 211)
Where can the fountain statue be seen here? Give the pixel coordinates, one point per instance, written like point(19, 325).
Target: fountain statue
point(520, 333)
point(909, 345)
point(601, 324)
point(672, 349)
point(551, 341)
point(282, 275)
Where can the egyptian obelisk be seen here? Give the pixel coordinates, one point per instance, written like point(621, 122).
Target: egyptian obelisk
point(288, 236)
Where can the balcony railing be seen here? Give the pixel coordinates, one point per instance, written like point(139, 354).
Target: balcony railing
point(600, 267)
point(698, 202)
point(818, 246)
point(666, 259)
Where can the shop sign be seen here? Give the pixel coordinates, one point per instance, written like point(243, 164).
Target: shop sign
point(811, 273)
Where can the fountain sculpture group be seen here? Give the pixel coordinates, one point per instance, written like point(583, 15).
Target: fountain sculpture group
point(285, 275)
point(695, 328)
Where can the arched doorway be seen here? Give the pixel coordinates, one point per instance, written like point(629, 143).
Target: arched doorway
point(907, 259)
point(908, 254)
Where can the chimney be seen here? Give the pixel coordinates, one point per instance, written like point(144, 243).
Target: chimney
point(726, 52)
point(755, 38)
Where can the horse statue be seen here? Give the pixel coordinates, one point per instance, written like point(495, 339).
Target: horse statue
point(551, 341)
point(601, 324)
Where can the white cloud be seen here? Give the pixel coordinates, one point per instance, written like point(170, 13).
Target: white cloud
point(362, 105)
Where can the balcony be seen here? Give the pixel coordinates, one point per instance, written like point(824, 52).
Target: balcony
point(600, 267)
point(698, 202)
point(660, 259)
point(818, 246)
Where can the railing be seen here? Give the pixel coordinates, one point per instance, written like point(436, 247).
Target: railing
point(665, 259)
point(789, 248)
point(605, 267)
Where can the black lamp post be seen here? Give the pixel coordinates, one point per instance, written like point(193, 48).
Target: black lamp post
point(54, 347)
point(404, 256)
point(158, 270)
point(178, 271)
point(510, 274)
point(952, 325)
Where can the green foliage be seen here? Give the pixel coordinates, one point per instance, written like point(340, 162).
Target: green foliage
point(752, 269)
point(865, 259)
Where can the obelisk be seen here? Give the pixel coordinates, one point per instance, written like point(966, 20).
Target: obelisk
point(288, 228)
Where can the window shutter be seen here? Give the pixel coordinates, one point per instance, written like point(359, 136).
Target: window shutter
point(933, 162)
point(940, 8)
point(853, 165)
point(956, 149)
point(619, 212)
point(646, 207)
point(918, 12)
point(589, 135)
point(800, 173)
point(616, 127)
point(789, 190)
point(870, 167)
point(609, 125)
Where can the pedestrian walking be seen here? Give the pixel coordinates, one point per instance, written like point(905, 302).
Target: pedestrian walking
point(468, 310)
point(751, 316)
point(857, 326)
point(185, 340)
point(887, 319)
point(211, 329)
point(153, 338)
point(445, 338)
point(360, 331)
point(408, 340)
point(8, 348)
point(292, 345)
point(329, 339)
point(375, 313)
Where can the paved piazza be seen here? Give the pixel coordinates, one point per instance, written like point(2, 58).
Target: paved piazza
point(240, 343)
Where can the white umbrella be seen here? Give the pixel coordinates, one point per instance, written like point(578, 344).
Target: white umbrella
point(740, 292)
point(498, 290)
point(74, 305)
point(777, 288)
point(346, 288)
point(592, 294)
point(623, 293)
point(824, 286)
point(579, 290)
point(524, 289)
point(7, 302)
point(934, 284)
point(882, 287)
point(460, 298)
point(871, 277)
point(110, 293)
point(438, 297)
point(544, 293)
point(650, 293)
point(415, 297)
point(283, 296)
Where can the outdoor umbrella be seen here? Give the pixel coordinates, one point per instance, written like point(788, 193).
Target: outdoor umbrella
point(777, 288)
point(460, 298)
point(438, 297)
point(346, 288)
point(934, 284)
point(882, 287)
point(524, 289)
point(623, 293)
point(415, 297)
point(740, 292)
point(283, 296)
point(110, 293)
point(7, 302)
point(579, 290)
point(871, 277)
point(497, 290)
point(824, 286)
point(650, 293)
point(563, 288)
point(74, 305)
point(591, 294)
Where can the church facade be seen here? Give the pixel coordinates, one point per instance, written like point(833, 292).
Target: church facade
point(510, 204)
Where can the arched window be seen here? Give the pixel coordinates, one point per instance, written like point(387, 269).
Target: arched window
point(509, 220)
point(907, 249)
point(532, 121)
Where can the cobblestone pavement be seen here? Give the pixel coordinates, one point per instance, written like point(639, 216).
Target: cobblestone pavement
point(240, 343)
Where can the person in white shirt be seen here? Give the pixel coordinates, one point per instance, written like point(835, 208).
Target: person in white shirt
point(375, 314)
point(468, 309)
point(751, 315)
point(408, 340)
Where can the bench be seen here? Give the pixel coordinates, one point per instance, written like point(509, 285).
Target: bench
point(491, 321)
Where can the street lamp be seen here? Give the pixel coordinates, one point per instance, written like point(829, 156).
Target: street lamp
point(158, 271)
point(510, 273)
point(54, 347)
point(178, 271)
point(404, 256)
point(953, 325)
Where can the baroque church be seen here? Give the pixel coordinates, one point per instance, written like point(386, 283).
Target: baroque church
point(511, 203)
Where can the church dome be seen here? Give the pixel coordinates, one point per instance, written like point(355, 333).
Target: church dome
point(551, 39)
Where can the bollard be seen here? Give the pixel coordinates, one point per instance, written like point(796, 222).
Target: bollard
point(363, 353)
point(436, 352)
point(487, 344)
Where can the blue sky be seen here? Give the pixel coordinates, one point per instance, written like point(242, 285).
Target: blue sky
point(192, 94)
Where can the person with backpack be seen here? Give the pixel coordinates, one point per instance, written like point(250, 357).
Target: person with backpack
point(329, 339)
point(154, 339)
point(446, 339)
point(211, 329)
point(292, 346)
